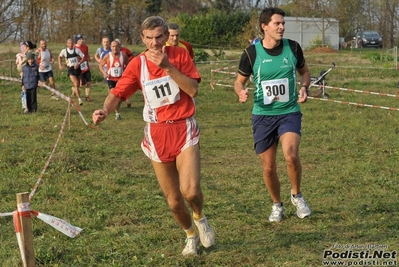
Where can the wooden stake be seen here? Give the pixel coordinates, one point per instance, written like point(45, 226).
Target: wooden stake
point(23, 208)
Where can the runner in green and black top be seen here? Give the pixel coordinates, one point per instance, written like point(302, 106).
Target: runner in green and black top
point(276, 115)
point(284, 60)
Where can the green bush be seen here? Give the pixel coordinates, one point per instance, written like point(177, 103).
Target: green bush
point(219, 54)
point(216, 28)
point(318, 42)
point(200, 55)
point(376, 56)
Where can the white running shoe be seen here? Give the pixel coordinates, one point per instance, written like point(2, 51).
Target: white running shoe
point(206, 233)
point(302, 208)
point(277, 213)
point(191, 246)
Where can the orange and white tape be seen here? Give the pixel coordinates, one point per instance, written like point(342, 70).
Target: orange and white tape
point(17, 227)
point(352, 103)
point(61, 225)
point(336, 101)
point(223, 69)
point(61, 95)
point(360, 91)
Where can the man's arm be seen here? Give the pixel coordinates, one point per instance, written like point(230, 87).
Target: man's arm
point(239, 88)
point(59, 61)
point(81, 55)
point(51, 56)
point(110, 104)
point(125, 60)
point(89, 58)
point(97, 56)
point(305, 82)
point(187, 84)
point(101, 64)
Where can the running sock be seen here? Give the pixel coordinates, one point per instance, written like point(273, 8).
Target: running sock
point(278, 204)
point(190, 232)
point(198, 216)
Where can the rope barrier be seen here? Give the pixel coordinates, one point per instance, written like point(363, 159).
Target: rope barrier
point(360, 91)
point(213, 84)
point(70, 101)
point(225, 68)
point(23, 209)
point(226, 72)
point(352, 103)
point(67, 98)
point(51, 154)
point(61, 95)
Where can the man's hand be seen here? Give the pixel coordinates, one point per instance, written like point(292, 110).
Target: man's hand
point(303, 96)
point(243, 96)
point(99, 115)
point(159, 57)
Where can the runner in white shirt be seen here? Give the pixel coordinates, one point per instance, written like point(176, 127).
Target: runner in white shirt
point(45, 60)
point(74, 57)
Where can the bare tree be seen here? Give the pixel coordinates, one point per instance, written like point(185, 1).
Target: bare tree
point(55, 20)
point(388, 21)
point(11, 20)
point(129, 14)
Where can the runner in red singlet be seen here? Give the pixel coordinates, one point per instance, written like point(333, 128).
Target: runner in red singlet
point(169, 81)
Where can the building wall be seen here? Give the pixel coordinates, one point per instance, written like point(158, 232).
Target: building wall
point(306, 30)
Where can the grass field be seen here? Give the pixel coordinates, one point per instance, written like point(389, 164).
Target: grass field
point(101, 181)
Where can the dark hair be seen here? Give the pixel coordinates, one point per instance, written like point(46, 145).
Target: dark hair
point(30, 45)
point(266, 15)
point(78, 37)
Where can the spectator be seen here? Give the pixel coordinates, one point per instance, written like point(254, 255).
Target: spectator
point(26, 46)
point(30, 80)
point(18, 62)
